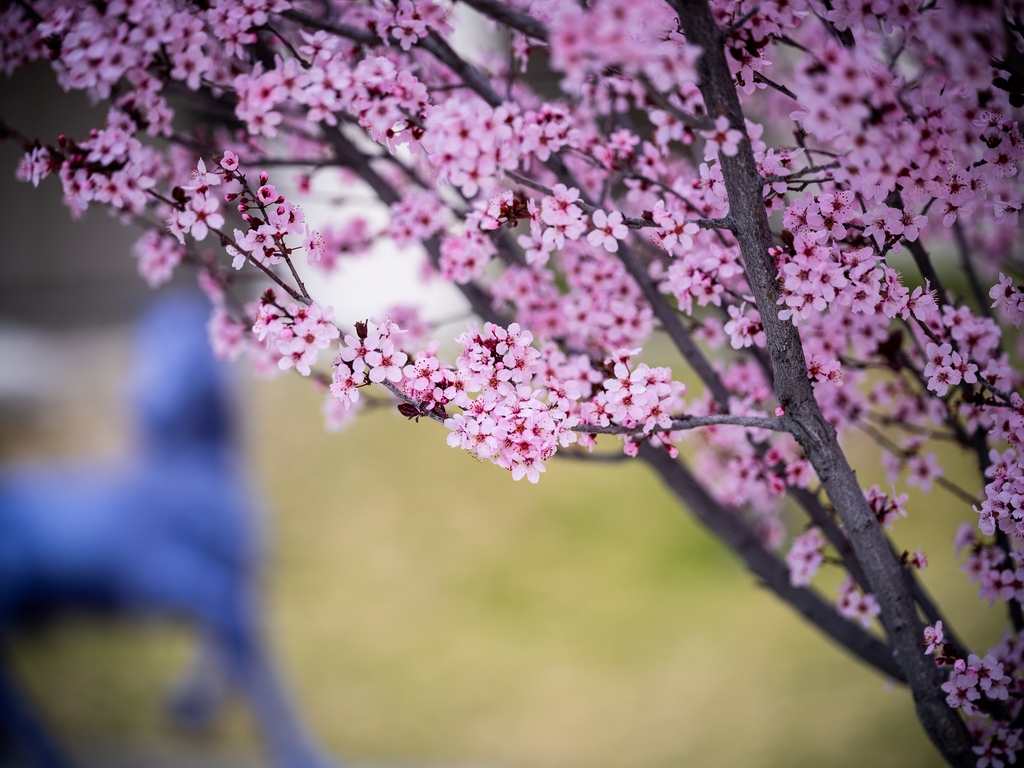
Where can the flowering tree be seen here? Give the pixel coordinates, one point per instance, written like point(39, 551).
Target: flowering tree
point(731, 174)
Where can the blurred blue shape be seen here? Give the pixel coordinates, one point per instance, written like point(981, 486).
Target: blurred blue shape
point(171, 531)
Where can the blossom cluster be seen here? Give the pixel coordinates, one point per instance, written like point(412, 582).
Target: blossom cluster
point(502, 417)
point(642, 398)
point(805, 557)
point(855, 605)
point(295, 332)
point(884, 133)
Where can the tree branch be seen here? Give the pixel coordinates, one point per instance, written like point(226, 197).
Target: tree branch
point(984, 302)
point(674, 327)
point(630, 221)
point(361, 36)
point(510, 17)
point(815, 434)
point(478, 297)
point(691, 422)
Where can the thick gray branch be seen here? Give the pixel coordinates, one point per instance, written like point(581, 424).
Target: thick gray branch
point(815, 434)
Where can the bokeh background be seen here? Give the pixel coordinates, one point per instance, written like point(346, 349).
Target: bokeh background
point(426, 610)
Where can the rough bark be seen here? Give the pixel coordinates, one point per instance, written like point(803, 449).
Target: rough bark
point(817, 437)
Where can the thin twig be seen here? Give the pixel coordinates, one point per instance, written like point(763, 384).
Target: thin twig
point(362, 36)
point(759, 78)
point(630, 221)
point(738, 23)
point(690, 422)
point(972, 275)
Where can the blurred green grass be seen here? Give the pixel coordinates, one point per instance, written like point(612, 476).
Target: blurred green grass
point(429, 611)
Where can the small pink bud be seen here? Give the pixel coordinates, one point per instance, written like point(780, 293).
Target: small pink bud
point(264, 177)
point(780, 411)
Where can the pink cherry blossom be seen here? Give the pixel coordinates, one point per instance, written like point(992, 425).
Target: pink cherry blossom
point(608, 230)
point(827, 256)
point(722, 139)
